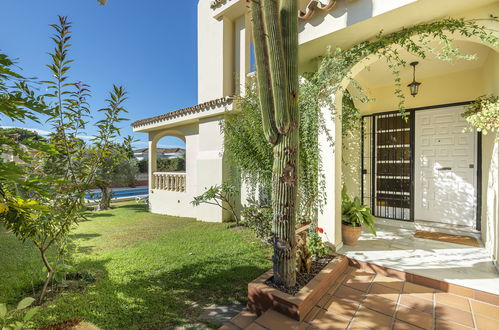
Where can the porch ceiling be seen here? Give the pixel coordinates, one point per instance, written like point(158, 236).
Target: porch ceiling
point(379, 74)
point(368, 25)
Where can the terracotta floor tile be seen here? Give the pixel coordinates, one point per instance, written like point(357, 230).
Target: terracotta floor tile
point(342, 307)
point(419, 290)
point(453, 314)
point(244, 319)
point(359, 282)
point(357, 326)
point(336, 284)
point(485, 309)
point(417, 303)
point(373, 319)
point(399, 325)
point(324, 300)
point(385, 292)
point(229, 326)
point(380, 304)
point(390, 282)
point(362, 272)
point(328, 320)
point(448, 325)
point(312, 314)
point(452, 300)
point(345, 292)
point(303, 326)
point(255, 326)
point(276, 321)
point(414, 317)
point(486, 297)
point(486, 323)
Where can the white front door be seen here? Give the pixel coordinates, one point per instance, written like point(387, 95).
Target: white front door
point(445, 167)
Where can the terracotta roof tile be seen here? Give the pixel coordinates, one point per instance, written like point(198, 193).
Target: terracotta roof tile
point(183, 112)
point(312, 7)
point(216, 3)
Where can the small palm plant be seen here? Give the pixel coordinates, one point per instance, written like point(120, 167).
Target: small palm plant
point(355, 214)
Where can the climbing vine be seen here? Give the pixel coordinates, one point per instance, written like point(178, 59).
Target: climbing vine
point(483, 114)
point(243, 130)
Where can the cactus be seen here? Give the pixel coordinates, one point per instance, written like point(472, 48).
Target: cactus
point(303, 256)
point(275, 35)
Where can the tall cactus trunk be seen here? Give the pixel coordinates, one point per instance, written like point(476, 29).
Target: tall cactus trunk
point(284, 191)
point(275, 34)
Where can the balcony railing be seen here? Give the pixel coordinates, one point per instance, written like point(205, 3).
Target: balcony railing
point(169, 181)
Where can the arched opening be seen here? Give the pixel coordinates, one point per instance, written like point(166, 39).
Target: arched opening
point(167, 161)
point(170, 155)
point(449, 172)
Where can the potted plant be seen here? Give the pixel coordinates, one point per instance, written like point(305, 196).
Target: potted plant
point(354, 215)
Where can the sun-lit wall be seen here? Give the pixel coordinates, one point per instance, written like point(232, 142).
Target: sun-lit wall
point(454, 87)
point(490, 166)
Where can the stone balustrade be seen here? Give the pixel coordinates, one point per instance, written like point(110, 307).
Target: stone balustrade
point(170, 181)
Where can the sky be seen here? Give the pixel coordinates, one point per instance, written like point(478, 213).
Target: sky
point(149, 47)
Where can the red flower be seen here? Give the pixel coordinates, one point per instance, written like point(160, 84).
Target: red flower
point(320, 230)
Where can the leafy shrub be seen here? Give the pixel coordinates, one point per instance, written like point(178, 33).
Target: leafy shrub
point(317, 247)
point(171, 165)
point(483, 114)
point(8, 319)
point(259, 219)
point(355, 214)
point(222, 196)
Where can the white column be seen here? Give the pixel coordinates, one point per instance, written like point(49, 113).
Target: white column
point(152, 165)
point(330, 151)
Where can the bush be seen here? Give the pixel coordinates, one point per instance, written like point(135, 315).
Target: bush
point(171, 165)
point(143, 168)
point(259, 219)
point(164, 165)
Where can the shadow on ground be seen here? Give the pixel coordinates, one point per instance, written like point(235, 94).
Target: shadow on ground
point(141, 301)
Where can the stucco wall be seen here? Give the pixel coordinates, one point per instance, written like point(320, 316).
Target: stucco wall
point(210, 167)
point(490, 167)
point(215, 55)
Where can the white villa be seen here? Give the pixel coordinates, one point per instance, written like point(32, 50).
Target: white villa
point(427, 171)
point(163, 153)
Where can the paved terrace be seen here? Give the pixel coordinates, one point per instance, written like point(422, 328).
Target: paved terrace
point(362, 299)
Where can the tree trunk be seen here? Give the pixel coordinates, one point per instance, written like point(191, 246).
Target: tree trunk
point(50, 274)
point(105, 200)
point(284, 188)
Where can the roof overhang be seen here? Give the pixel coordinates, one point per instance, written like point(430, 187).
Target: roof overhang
point(184, 116)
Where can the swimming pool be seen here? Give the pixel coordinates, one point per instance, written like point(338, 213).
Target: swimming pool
point(95, 194)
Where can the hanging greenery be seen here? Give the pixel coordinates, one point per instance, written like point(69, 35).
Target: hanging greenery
point(248, 149)
point(247, 146)
point(483, 114)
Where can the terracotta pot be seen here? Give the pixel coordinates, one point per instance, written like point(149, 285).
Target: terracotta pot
point(350, 234)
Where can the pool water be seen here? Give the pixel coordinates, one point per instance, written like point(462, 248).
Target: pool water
point(117, 193)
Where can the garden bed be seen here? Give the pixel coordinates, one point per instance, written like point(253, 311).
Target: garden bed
point(262, 295)
point(302, 279)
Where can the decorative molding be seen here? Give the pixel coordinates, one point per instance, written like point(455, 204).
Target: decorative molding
point(183, 112)
point(217, 3)
point(314, 6)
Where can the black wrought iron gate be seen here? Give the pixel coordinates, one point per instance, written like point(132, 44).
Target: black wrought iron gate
point(387, 164)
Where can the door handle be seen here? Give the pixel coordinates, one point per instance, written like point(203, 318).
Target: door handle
point(444, 169)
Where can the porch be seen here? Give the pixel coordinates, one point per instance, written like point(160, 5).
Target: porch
point(171, 193)
point(396, 247)
point(424, 170)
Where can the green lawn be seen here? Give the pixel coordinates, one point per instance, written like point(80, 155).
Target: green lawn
point(151, 271)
